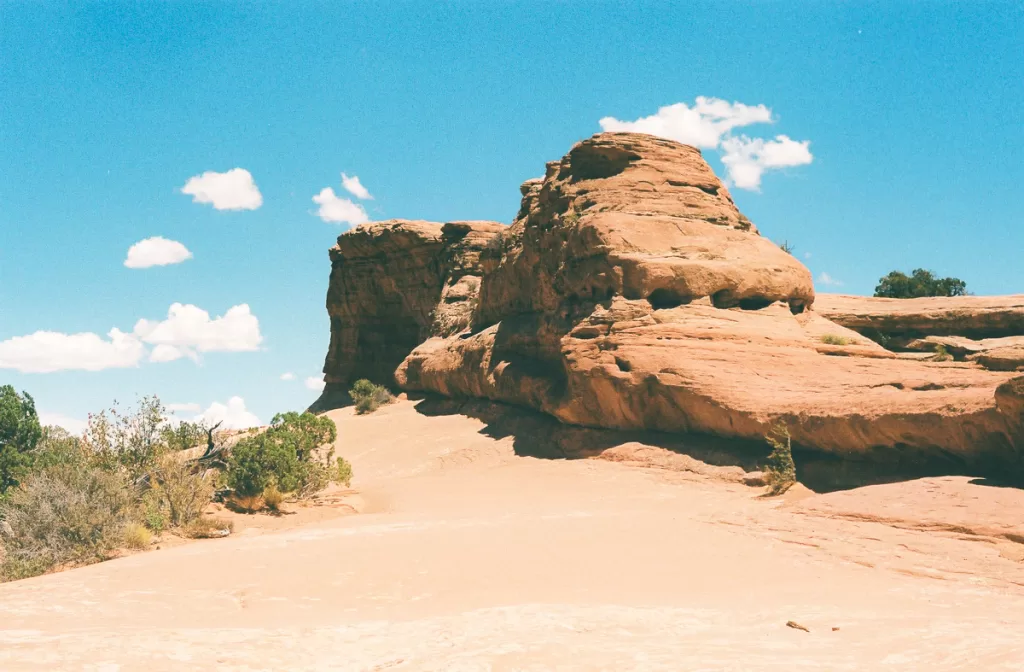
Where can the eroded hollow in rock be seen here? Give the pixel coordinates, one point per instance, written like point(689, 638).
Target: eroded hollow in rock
point(755, 303)
point(726, 299)
point(596, 163)
point(663, 298)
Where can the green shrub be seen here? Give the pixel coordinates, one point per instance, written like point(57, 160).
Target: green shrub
point(780, 470)
point(343, 472)
point(63, 515)
point(919, 283)
point(19, 434)
point(294, 455)
point(184, 435)
point(832, 339)
point(942, 353)
point(369, 397)
point(257, 462)
point(153, 510)
point(58, 447)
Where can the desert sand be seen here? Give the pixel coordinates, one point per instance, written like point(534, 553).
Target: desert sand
point(465, 556)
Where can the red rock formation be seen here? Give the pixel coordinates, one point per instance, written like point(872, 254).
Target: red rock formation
point(975, 317)
point(988, 330)
point(393, 284)
point(631, 293)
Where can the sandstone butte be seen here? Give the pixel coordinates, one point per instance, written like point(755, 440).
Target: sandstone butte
point(630, 293)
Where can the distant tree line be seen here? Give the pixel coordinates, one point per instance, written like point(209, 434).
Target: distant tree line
point(898, 285)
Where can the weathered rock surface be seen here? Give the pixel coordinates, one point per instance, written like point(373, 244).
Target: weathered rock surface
point(630, 293)
point(392, 285)
point(975, 317)
point(997, 354)
point(988, 330)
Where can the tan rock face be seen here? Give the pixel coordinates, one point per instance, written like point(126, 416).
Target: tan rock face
point(988, 330)
point(392, 285)
point(975, 317)
point(630, 293)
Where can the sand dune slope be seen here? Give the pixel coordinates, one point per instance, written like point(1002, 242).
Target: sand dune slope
point(469, 557)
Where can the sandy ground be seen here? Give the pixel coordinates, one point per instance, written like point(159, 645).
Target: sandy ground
point(465, 556)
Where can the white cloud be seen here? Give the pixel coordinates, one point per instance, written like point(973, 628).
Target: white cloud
point(315, 384)
point(233, 190)
point(355, 187)
point(336, 209)
point(156, 251)
point(183, 408)
point(49, 351)
point(746, 159)
point(233, 415)
point(826, 279)
point(807, 255)
point(702, 125)
point(708, 124)
point(188, 330)
point(288, 376)
point(72, 425)
point(166, 353)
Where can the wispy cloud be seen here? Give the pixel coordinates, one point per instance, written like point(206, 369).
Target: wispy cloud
point(339, 210)
point(49, 351)
point(826, 279)
point(708, 124)
point(746, 159)
point(187, 332)
point(232, 415)
point(74, 426)
point(315, 384)
point(355, 187)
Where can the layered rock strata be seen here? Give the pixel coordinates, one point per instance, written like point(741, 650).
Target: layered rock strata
point(988, 330)
point(630, 293)
point(394, 284)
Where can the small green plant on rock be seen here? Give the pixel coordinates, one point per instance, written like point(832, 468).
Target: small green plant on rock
point(942, 353)
point(369, 397)
point(833, 339)
point(779, 470)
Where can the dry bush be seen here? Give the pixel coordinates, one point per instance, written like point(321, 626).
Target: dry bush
point(780, 470)
point(183, 491)
point(137, 537)
point(832, 339)
point(369, 397)
point(207, 528)
point(272, 498)
point(246, 503)
point(64, 515)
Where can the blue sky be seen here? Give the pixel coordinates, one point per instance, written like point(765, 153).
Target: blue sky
point(912, 112)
